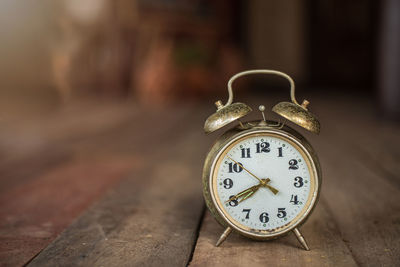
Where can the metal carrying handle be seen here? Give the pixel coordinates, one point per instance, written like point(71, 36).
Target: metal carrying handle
point(248, 72)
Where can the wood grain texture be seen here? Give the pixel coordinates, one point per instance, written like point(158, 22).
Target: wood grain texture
point(364, 200)
point(150, 219)
point(34, 213)
point(46, 180)
point(143, 188)
point(67, 163)
point(327, 249)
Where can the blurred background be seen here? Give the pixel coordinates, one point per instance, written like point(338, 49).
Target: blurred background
point(93, 93)
point(168, 51)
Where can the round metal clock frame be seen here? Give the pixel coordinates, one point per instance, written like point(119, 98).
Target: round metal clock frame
point(231, 112)
point(283, 132)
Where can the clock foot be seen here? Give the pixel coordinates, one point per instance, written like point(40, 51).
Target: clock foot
point(301, 238)
point(223, 236)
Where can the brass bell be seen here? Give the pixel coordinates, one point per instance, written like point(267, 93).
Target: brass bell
point(225, 115)
point(292, 111)
point(298, 114)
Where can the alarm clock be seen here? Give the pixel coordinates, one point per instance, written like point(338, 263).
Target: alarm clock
point(261, 179)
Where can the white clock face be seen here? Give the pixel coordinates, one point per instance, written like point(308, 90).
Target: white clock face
point(263, 183)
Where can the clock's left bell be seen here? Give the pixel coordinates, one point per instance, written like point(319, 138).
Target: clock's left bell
point(225, 115)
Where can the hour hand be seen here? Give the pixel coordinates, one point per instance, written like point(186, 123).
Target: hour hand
point(273, 190)
point(265, 182)
point(245, 194)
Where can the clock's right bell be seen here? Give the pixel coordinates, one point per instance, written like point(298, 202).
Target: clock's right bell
point(298, 114)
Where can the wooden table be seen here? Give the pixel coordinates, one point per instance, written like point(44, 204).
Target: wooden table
point(120, 185)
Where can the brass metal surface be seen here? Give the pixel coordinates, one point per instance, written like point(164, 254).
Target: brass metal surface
point(229, 112)
point(301, 239)
point(260, 71)
point(231, 137)
point(245, 194)
point(225, 115)
point(224, 235)
point(293, 111)
point(298, 114)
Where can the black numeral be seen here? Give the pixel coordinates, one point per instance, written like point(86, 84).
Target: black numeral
point(280, 154)
point(262, 147)
point(247, 213)
point(245, 152)
point(293, 164)
point(228, 183)
point(298, 182)
point(264, 217)
point(294, 200)
point(281, 213)
point(233, 202)
point(234, 167)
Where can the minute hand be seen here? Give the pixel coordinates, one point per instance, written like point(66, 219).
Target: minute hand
point(246, 170)
point(262, 182)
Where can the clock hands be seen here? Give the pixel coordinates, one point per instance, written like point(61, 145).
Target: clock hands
point(263, 182)
point(273, 189)
point(245, 194)
point(249, 172)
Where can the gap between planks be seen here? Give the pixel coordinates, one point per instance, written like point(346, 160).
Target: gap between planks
point(85, 147)
point(149, 219)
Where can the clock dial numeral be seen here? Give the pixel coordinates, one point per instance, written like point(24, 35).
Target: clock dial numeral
point(234, 167)
point(262, 147)
point(245, 152)
point(264, 217)
point(247, 213)
point(298, 182)
point(280, 152)
point(293, 164)
point(293, 199)
point(234, 202)
point(228, 183)
point(281, 213)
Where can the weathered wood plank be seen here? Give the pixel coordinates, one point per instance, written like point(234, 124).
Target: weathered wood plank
point(370, 138)
point(45, 142)
point(364, 206)
point(45, 183)
point(34, 213)
point(72, 166)
point(356, 222)
point(363, 200)
point(150, 219)
point(321, 232)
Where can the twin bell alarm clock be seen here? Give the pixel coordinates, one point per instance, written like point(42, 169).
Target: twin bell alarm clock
point(261, 179)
